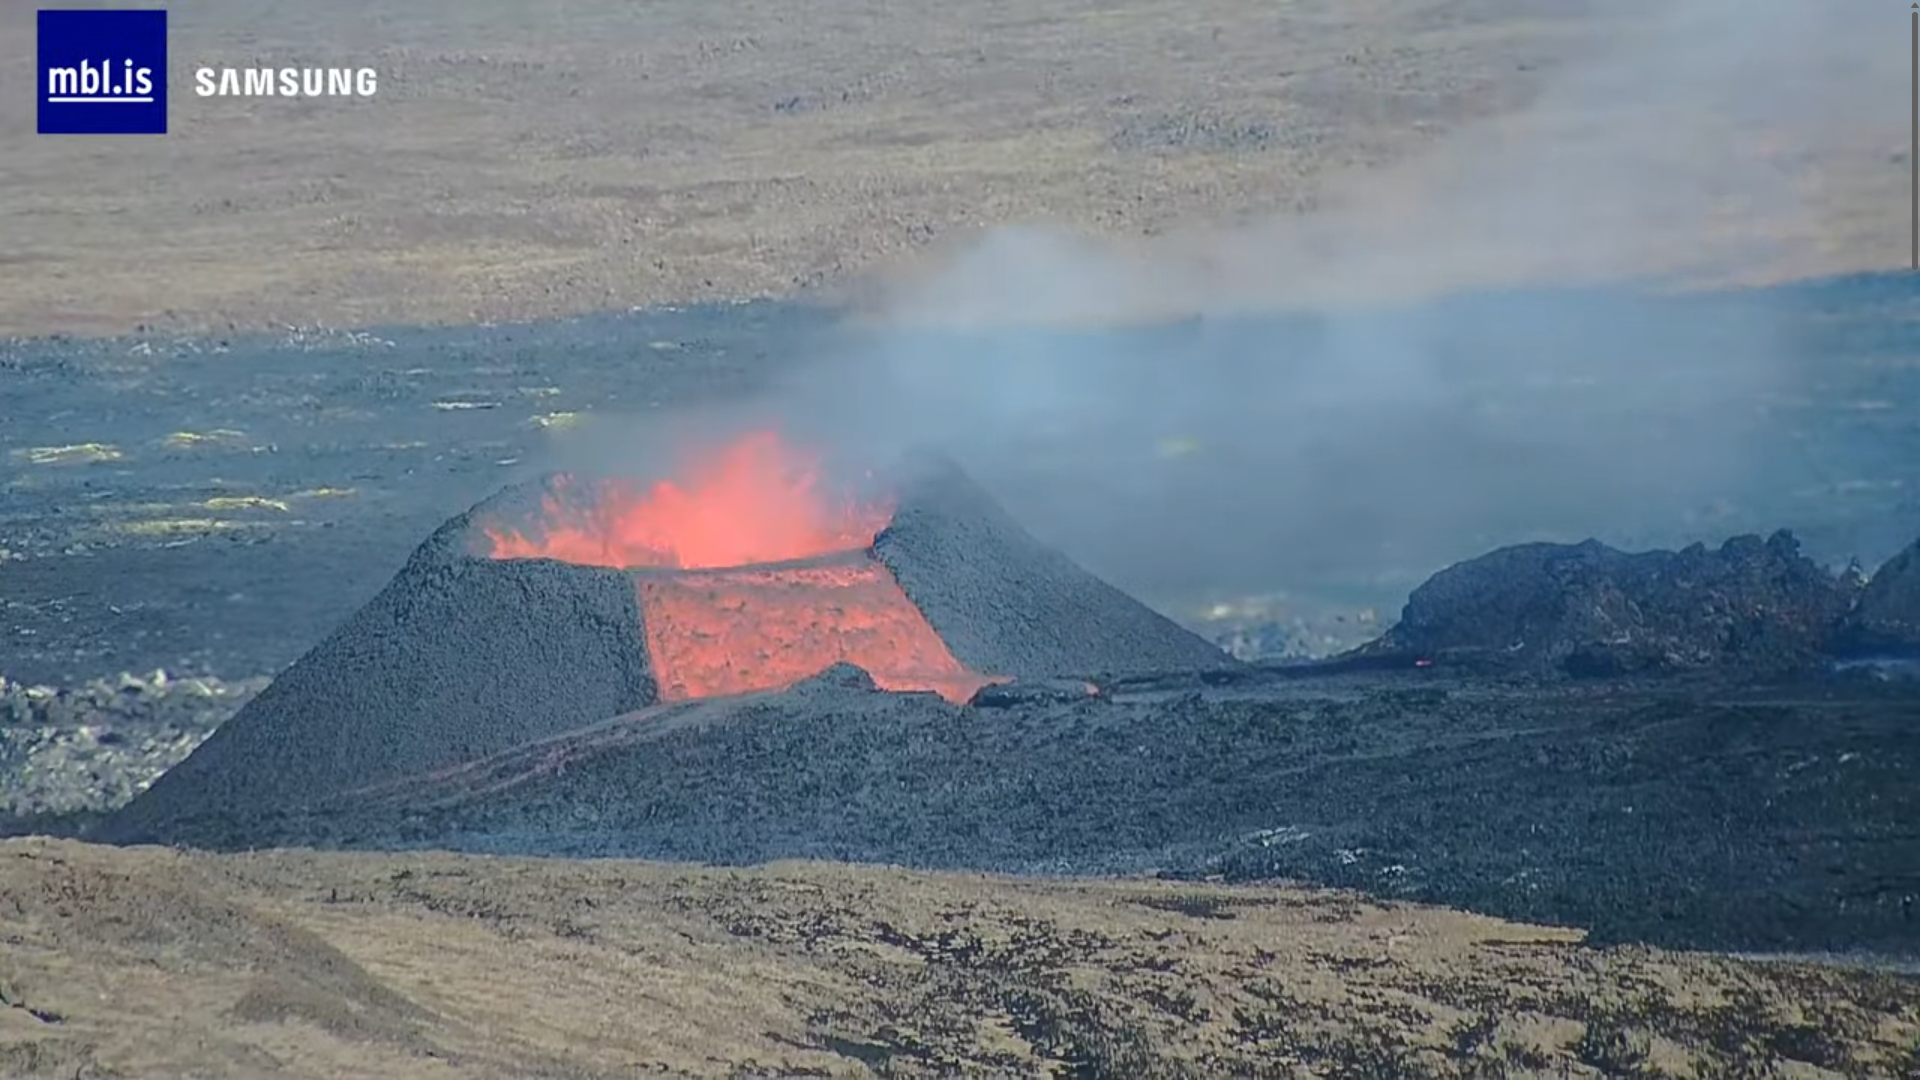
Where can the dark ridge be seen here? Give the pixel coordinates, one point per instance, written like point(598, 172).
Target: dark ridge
point(460, 656)
point(1587, 609)
point(1007, 604)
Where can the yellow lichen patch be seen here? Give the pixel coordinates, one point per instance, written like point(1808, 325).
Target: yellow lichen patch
point(323, 493)
point(555, 421)
point(188, 440)
point(178, 526)
point(79, 454)
point(112, 508)
point(244, 502)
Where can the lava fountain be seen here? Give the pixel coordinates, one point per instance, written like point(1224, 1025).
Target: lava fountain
point(751, 574)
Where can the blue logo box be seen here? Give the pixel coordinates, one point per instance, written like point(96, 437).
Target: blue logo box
point(102, 72)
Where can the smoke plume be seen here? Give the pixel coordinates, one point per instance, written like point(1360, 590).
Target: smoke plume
point(1348, 400)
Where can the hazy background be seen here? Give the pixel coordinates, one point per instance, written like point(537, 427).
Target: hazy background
point(1370, 433)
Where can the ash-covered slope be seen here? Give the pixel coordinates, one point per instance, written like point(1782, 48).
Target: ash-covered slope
point(460, 656)
point(1007, 604)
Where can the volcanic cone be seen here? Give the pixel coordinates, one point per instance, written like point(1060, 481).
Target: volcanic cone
point(553, 605)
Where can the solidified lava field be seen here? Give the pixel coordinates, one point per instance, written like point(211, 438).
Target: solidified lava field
point(1694, 817)
point(1706, 808)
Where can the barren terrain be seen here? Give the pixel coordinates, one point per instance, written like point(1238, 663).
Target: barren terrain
point(524, 160)
point(146, 962)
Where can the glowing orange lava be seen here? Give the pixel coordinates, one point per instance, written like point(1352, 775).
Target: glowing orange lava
point(725, 625)
point(736, 631)
point(758, 501)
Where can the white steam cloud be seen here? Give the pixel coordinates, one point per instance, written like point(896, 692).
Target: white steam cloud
point(1344, 440)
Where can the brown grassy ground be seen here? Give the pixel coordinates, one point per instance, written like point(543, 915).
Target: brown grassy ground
point(144, 962)
point(525, 159)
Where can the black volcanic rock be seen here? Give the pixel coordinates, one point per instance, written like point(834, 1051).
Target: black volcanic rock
point(1887, 618)
point(1589, 609)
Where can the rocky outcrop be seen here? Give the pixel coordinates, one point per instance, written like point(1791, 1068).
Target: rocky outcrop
point(1886, 620)
point(1589, 609)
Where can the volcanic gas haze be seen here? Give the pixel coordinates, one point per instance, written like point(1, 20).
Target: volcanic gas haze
point(751, 572)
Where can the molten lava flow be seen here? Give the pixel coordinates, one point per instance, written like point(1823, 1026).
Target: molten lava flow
point(758, 501)
point(738, 631)
point(728, 625)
